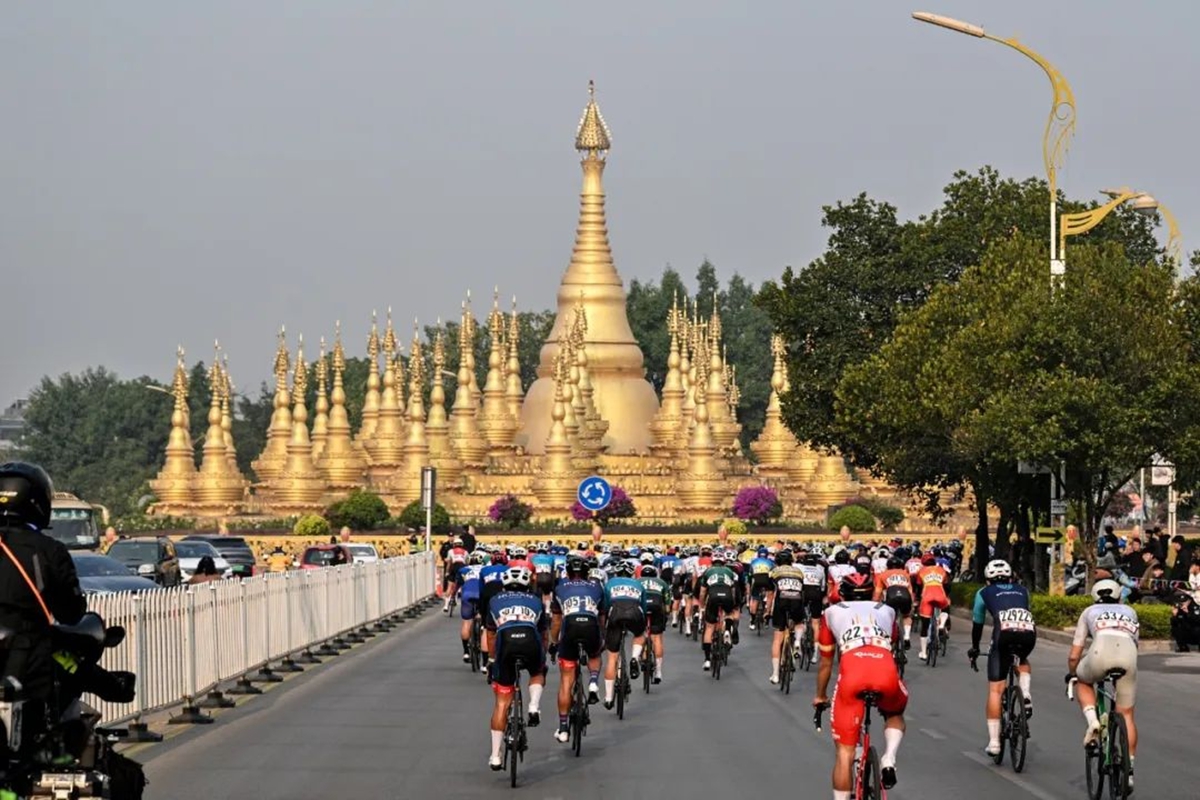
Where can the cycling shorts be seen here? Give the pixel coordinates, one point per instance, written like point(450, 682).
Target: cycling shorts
point(814, 598)
point(578, 629)
point(759, 584)
point(900, 599)
point(1111, 651)
point(933, 596)
point(520, 643)
point(486, 593)
point(787, 612)
point(469, 607)
point(1005, 647)
point(864, 669)
point(656, 614)
point(720, 598)
point(545, 582)
point(623, 616)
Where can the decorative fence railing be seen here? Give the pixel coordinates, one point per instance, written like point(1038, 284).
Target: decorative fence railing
point(188, 642)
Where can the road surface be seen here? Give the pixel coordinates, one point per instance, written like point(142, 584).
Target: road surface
point(402, 717)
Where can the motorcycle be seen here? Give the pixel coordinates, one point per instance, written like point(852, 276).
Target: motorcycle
point(55, 749)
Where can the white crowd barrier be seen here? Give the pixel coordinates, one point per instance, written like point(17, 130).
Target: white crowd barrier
point(187, 641)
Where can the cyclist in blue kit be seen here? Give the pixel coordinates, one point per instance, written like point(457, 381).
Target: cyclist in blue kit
point(1013, 637)
point(543, 572)
point(760, 581)
point(577, 607)
point(490, 585)
point(469, 586)
point(625, 609)
point(519, 619)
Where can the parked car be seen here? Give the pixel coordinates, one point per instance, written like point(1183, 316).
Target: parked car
point(321, 555)
point(103, 575)
point(363, 553)
point(151, 557)
point(190, 554)
point(233, 549)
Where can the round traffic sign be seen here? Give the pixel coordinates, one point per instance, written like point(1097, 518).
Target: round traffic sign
point(594, 493)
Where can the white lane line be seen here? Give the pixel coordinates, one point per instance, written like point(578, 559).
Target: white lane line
point(932, 734)
point(1010, 776)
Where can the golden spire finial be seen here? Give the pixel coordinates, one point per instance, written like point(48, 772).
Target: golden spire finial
point(339, 353)
point(300, 378)
point(322, 370)
point(389, 336)
point(282, 361)
point(373, 338)
point(592, 136)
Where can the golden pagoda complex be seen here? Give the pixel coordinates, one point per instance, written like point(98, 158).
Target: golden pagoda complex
point(590, 411)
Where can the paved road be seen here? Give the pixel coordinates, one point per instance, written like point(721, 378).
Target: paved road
point(403, 718)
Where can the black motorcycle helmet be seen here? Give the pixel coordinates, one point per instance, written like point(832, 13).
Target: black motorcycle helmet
point(25, 494)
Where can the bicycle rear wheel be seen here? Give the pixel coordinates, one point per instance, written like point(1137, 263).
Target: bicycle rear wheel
point(871, 785)
point(934, 643)
point(1118, 757)
point(648, 668)
point(578, 709)
point(1018, 729)
point(1004, 702)
point(786, 666)
point(1094, 769)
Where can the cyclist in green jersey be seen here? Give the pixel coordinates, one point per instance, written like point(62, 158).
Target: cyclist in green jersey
point(658, 599)
point(718, 592)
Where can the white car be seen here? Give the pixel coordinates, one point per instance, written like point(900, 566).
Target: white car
point(363, 553)
point(190, 553)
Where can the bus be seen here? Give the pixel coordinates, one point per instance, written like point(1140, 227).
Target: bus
point(74, 522)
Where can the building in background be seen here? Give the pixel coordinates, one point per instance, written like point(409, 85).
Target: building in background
point(12, 428)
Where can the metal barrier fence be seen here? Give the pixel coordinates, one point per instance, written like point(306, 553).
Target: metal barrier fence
point(186, 642)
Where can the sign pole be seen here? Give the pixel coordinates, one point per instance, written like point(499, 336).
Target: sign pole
point(428, 484)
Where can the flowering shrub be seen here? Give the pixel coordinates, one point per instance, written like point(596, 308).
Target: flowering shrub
point(735, 528)
point(759, 504)
point(620, 506)
point(510, 511)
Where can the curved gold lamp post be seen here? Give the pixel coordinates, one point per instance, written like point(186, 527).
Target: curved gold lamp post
point(1084, 221)
point(1060, 126)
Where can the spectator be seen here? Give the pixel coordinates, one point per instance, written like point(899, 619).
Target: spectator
point(1148, 564)
point(468, 539)
point(206, 571)
point(1185, 624)
point(1155, 585)
point(1133, 561)
point(1161, 543)
point(1108, 542)
point(1194, 577)
point(339, 557)
point(1178, 560)
point(278, 561)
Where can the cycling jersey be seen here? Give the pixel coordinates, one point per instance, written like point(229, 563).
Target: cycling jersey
point(468, 580)
point(625, 591)
point(575, 597)
point(879, 566)
point(517, 609)
point(718, 579)
point(761, 566)
point(788, 581)
point(933, 582)
point(1009, 606)
point(1107, 619)
point(543, 564)
point(668, 566)
point(655, 588)
point(913, 565)
point(863, 632)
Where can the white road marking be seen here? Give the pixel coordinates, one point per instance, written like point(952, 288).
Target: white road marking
point(932, 734)
point(1010, 776)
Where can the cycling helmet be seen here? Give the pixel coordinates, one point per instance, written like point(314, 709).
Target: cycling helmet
point(928, 560)
point(811, 559)
point(956, 545)
point(516, 553)
point(706, 550)
point(856, 586)
point(576, 567)
point(592, 562)
point(581, 546)
point(997, 570)
point(895, 562)
point(622, 569)
point(762, 552)
point(478, 557)
point(500, 557)
point(1106, 591)
point(635, 552)
point(647, 558)
point(517, 578)
point(26, 493)
point(649, 571)
point(842, 556)
point(883, 552)
point(718, 557)
point(457, 541)
point(817, 550)
point(783, 558)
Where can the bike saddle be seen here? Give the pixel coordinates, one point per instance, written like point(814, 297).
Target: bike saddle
point(1114, 674)
point(869, 697)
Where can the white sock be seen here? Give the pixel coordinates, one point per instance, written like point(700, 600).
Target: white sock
point(609, 689)
point(775, 668)
point(993, 726)
point(1023, 680)
point(497, 741)
point(943, 620)
point(1089, 713)
point(658, 666)
point(535, 698)
point(637, 652)
point(840, 795)
point(908, 631)
point(892, 738)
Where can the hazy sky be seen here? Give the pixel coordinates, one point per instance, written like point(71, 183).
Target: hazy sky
point(171, 172)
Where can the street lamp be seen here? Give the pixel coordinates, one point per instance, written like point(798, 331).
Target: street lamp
point(1060, 125)
point(1083, 221)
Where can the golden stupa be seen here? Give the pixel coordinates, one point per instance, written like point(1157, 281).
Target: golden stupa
point(590, 411)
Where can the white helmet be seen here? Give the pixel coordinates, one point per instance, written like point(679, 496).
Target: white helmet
point(517, 578)
point(1106, 591)
point(882, 552)
point(997, 569)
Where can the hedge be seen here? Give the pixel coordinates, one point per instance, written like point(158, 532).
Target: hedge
point(1055, 612)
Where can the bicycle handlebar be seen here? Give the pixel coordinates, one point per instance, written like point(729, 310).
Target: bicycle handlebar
point(818, 712)
point(1071, 681)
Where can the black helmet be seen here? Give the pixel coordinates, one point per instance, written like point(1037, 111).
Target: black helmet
point(895, 562)
point(784, 557)
point(25, 494)
point(576, 567)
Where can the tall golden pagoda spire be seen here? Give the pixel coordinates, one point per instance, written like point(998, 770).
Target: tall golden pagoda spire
point(497, 426)
point(470, 326)
point(227, 417)
point(437, 426)
point(341, 462)
point(725, 429)
point(622, 394)
point(370, 410)
point(576, 434)
point(668, 421)
point(218, 491)
point(320, 428)
point(589, 415)
point(701, 489)
point(557, 479)
point(274, 454)
point(775, 445)
point(469, 445)
point(406, 484)
point(298, 488)
point(513, 393)
point(173, 486)
point(831, 484)
point(386, 446)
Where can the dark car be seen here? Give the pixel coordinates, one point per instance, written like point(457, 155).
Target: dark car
point(151, 557)
point(322, 555)
point(103, 575)
point(234, 549)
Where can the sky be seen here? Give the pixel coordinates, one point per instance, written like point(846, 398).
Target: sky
point(173, 173)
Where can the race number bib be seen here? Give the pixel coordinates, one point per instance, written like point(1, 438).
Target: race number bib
point(1016, 619)
point(579, 604)
point(514, 614)
point(1115, 622)
point(622, 592)
point(862, 635)
point(789, 586)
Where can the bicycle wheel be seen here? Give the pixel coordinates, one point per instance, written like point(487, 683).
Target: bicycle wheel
point(648, 669)
point(1018, 729)
point(934, 645)
point(871, 786)
point(1094, 769)
point(1118, 757)
point(786, 667)
point(578, 706)
point(1004, 702)
point(473, 646)
point(718, 653)
point(808, 649)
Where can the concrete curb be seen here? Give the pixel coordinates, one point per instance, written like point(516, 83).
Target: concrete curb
point(1066, 637)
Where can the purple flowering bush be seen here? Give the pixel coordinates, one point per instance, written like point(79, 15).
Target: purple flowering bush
point(758, 504)
point(510, 511)
point(619, 507)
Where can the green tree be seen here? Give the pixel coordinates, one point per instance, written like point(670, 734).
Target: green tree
point(747, 330)
point(707, 288)
point(647, 305)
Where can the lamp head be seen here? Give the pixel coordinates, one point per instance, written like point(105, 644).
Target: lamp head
point(949, 22)
point(1144, 204)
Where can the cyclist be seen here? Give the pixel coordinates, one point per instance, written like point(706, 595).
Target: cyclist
point(625, 607)
point(933, 579)
point(454, 560)
point(696, 567)
point(670, 569)
point(577, 607)
point(786, 601)
point(894, 587)
point(1013, 637)
point(760, 580)
point(718, 592)
point(543, 572)
point(491, 583)
point(658, 597)
point(1113, 628)
point(879, 564)
point(469, 586)
point(519, 619)
point(519, 557)
point(862, 631)
point(840, 568)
